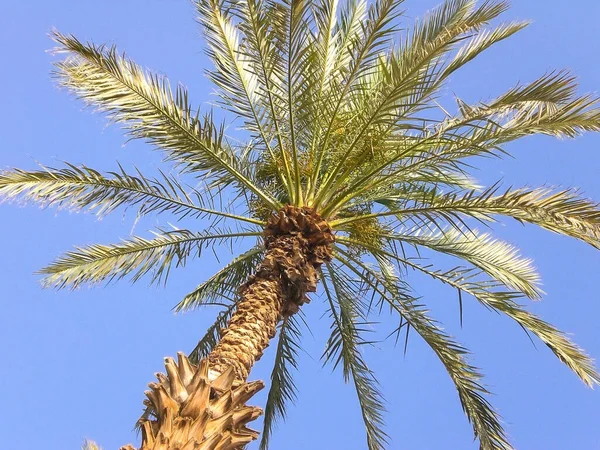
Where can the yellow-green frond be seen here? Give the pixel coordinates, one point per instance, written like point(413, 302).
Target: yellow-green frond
point(467, 378)
point(150, 110)
point(85, 189)
point(136, 256)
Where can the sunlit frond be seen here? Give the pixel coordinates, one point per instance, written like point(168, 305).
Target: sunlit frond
point(83, 188)
point(236, 74)
point(377, 30)
point(409, 78)
point(149, 110)
point(548, 106)
point(225, 283)
point(343, 346)
point(263, 54)
point(466, 378)
point(563, 212)
point(498, 259)
point(137, 256)
point(491, 294)
point(90, 445)
point(480, 43)
point(283, 389)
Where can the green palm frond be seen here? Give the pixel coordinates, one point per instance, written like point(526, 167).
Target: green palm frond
point(138, 256)
point(490, 293)
point(343, 346)
point(262, 53)
point(480, 43)
point(467, 379)
point(241, 88)
point(548, 105)
point(225, 283)
point(563, 212)
point(504, 302)
point(376, 32)
point(83, 188)
point(149, 110)
point(283, 389)
point(408, 78)
point(498, 259)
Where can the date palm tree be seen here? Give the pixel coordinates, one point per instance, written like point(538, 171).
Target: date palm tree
point(345, 170)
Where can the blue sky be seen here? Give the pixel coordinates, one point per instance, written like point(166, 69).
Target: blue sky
point(75, 364)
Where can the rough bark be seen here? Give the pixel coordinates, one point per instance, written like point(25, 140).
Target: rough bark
point(298, 241)
point(204, 408)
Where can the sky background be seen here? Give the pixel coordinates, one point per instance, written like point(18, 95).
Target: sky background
point(75, 364)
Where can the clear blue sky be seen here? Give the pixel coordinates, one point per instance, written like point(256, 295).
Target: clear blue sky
point(75, 365)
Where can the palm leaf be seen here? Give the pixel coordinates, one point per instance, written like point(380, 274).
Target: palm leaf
point(235, 72)
point(283, 389)
point(407, 75)
point(343, 346)
point(138, 256)
point(498, 259)
point(567, 352)
point(466, 378)
point(83, 188)
point(480, 43)
point(377, 31)
point(488, 293)
point(262, 53)
point(546, 106)
point(149, 109)
point(563, 212)
point(225, 283)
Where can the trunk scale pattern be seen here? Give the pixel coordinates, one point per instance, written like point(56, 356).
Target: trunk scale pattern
point(203, 407)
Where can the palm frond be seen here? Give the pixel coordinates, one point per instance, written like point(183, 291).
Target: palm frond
point(235, 72)
point(262, 52)
point(296, 53)
point(225, 283)
point(480, 43)
point(149, 110)
point(563, 212)
point(376, 32)
point(83, 188)
point(408, 78)
point(283, 389)
point(504, 302)
point(138, 256)
point(546, 106)
point(498, 259)
point(466, 378)
point(490, 294)
point(90, 445)
point(344, 346)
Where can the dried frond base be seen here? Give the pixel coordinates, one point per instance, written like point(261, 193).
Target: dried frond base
point(194, 412)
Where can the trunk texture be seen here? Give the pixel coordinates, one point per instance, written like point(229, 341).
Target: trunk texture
point(203, 408)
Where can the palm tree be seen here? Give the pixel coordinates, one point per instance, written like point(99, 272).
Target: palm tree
point(345, 171)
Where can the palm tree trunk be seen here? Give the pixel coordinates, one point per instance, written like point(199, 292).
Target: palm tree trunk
point(202, 408)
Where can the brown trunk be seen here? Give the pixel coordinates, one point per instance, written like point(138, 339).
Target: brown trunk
point(204, 408)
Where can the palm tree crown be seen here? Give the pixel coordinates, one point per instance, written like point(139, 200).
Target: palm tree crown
point(340, 119)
